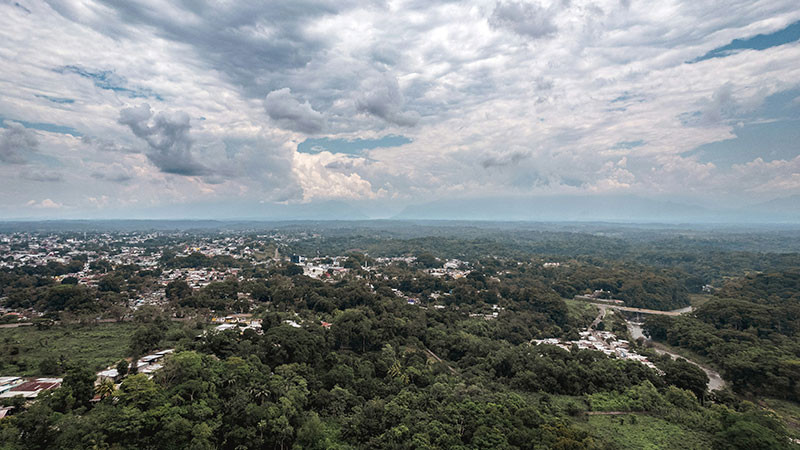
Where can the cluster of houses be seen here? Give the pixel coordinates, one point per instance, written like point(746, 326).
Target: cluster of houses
point(28, 388)
point(320, 268)
point(452, 268)
point(147, 365)
point(601, 296)
point(198, 278)
point(36, 250)
point(8, 315)
point(323, 271)
point(156, 297)
point(496, 309)
point(231, 245)
point(601, 341)
point(242, 322)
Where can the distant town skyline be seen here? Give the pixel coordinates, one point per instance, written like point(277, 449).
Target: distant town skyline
point(514, 110)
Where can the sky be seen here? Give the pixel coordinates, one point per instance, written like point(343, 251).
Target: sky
point(330, 108)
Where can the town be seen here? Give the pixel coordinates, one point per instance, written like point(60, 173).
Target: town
point(92, 321)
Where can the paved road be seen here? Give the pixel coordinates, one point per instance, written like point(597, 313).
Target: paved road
point(676, 312)
point(715, 380)
point(601, 314)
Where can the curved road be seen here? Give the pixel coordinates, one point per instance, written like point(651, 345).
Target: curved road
point(715, 381)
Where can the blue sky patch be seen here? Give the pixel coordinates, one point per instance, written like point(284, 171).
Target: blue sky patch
point(61, 100)
point(49, 127)
point(350, 147)
point(780, 105)
point(628, 144)
point(628, 96)
point(758, 42)
point(110, 81)
point(771, 132)
point(768, 140)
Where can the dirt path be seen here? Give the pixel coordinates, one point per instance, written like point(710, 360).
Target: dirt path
point(15, 325)
point(436, 357)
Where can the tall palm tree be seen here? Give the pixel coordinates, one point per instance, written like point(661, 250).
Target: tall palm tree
point(105, 389)
point(398, 371)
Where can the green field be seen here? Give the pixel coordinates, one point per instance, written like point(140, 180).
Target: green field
point(698, 299)
point(643, 432)
point(581, 311)
point(97, 346)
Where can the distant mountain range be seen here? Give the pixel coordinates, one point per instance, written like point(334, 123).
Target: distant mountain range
point(564, 208)
point(598, 208)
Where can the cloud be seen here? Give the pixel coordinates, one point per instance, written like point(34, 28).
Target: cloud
point(116, 177)
point(723, 105)
point(351, 146)
point(107, 145)
point(168, 139)
point(263, 166)
point(242, 41)
point(493, 80)
point(290, 114)
point(48, 127)
point(43, 176)
point(18, 5)
point(526, 19)
point(60, 100)
point(381, 97)
point(16, 142)
point(783, 36)
point(512, 158)
point(107, 80)
point(320, 181)
point(44, 204)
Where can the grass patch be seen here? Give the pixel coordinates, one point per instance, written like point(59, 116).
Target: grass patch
point(580, 312)
point(698, 299)
point(643, 432)
point(23, 349)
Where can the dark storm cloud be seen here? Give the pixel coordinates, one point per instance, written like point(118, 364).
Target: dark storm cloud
point(381, 97)
point(167, 137)
point(526, 19)
point(290, 114)
point(242, 40)
point(15, 142)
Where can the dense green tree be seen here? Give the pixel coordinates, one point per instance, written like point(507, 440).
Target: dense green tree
point(122, 367)
point(685, 375)
point(178, 290)
point(146, 338)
